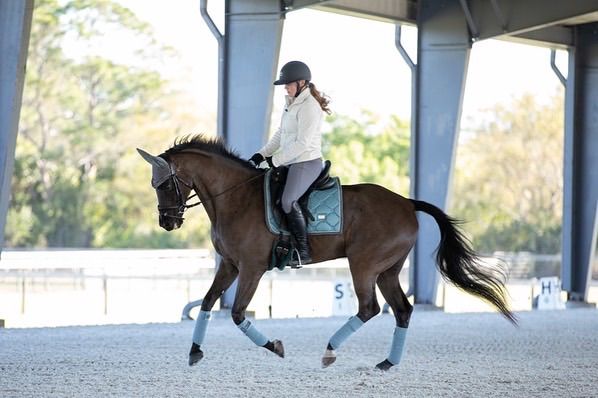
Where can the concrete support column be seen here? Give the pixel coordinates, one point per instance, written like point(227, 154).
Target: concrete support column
point(253, 31)
point(15, 27)
point(442, 57)
point(580, 195)
point(252, 40)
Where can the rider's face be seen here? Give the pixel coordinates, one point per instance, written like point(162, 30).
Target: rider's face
point(292, 87)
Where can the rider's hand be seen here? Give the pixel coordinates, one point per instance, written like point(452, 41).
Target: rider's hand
point(269, 160)
point(256, 159)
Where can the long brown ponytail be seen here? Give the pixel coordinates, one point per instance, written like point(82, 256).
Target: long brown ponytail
point(322, 98)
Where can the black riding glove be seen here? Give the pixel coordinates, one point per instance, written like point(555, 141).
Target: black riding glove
point(269, 160)
point(256, 159)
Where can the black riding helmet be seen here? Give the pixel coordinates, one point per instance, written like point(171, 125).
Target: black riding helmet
point(292, 72)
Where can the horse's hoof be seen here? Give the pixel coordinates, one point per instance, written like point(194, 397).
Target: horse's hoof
point(384, 365)
point(195, 357)
point(278, 348)
point(329, 358)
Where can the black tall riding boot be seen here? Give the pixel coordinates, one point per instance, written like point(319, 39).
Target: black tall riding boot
point(298, 227)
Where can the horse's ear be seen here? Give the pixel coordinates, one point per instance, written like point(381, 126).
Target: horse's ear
point(153, 160)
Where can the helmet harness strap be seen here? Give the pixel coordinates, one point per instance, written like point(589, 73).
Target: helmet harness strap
point(299, 88)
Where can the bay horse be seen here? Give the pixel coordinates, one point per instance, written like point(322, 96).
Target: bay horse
point(379, 230)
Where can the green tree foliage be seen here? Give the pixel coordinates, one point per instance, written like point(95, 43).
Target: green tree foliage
point(361, 151)
point(508, 180)
point(77, 179)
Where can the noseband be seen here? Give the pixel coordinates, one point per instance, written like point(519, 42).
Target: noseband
point(181, 205)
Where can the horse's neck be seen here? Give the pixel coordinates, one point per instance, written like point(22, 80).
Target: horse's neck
point(220, 182)
point(219, 175)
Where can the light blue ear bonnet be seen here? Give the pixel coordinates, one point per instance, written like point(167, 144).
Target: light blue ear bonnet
point(160, 168)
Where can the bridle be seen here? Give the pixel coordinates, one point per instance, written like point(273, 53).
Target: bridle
point(182, 205)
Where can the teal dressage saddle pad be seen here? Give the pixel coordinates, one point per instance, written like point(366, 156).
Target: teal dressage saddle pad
point(324, 206)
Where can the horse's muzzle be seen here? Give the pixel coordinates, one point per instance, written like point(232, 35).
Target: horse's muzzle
point(170, 223)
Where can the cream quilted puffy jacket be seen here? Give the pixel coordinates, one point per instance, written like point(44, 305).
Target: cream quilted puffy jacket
point(298, 139)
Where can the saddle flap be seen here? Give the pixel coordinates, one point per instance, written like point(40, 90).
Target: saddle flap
point(323, 207)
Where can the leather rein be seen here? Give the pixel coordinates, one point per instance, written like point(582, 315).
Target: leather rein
point(182, 203)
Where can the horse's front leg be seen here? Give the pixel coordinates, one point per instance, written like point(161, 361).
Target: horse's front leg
point(247, 285)
point(225, 275)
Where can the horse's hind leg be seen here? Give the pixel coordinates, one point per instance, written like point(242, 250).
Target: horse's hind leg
point(389, 285)
point(368, 308)
point(247, 285)
point(224, 277)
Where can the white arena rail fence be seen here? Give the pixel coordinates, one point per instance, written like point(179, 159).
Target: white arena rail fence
point(91, 287)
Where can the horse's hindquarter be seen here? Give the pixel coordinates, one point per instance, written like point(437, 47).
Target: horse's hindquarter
point(377, 222)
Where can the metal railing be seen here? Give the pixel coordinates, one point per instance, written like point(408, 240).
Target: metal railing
point(525, 265)
point(108, 282)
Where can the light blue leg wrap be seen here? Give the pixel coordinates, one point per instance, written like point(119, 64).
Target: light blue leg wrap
point(253, 334)
point(398, 342)
point(345, 331)
point(201, 325)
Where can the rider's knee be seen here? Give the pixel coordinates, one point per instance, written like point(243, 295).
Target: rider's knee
point(286, 205)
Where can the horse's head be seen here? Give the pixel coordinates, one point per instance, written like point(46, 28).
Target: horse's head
point(172, 191)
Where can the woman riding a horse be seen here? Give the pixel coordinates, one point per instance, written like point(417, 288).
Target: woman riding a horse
point(379, 227)
point(297, 144)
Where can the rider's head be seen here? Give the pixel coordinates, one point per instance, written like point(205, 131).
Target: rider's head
point(295, 76)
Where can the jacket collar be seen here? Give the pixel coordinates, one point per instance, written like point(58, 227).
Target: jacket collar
point(300, 98)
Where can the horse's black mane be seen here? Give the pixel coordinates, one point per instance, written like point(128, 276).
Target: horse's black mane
point(207, 144)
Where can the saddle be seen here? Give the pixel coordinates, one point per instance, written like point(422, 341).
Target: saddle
point(278, 179)
point(323, 198)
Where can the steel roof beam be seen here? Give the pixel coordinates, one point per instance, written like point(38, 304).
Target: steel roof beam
point(292, 5)
point(404, 11)
point(558, 37)
point(515, 17)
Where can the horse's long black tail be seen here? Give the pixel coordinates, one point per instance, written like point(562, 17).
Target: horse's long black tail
point(459, 264)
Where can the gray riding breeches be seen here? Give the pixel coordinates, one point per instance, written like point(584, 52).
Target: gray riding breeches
point(301, 176)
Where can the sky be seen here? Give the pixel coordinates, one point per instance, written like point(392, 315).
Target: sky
point(353, 60)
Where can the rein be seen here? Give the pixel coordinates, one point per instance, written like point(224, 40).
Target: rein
point(229, 189)
point(182, 203)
